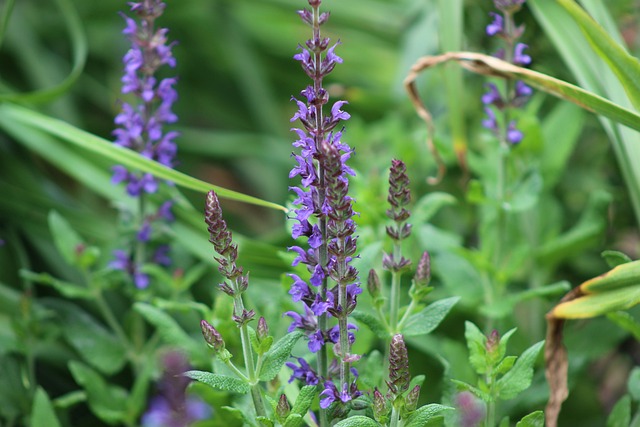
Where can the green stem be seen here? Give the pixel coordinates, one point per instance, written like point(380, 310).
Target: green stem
point(395, 418)
point(407, 313)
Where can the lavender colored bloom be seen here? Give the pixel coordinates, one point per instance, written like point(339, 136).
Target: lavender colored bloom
point(514, 136)
point(492, 96)
point(303, 372)
point(497, 26)
point(519, 57)
point(172, 407)
point(471, 409)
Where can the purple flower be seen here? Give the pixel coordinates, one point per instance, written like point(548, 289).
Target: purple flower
point(331, 394)
point(514, 136)
point(303, 372)
point(519, 57)
point(490, 122)
point(497, 26)
point(492, 96)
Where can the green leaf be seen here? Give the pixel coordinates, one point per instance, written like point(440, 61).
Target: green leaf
point(462, 386)
point(620, 415)
point(624, 275)
point(519, 377)
point(428, 318)
point(597, 304)
point(42, 413)
point(96, 345)
point(615, 258)
point(170, 331)
point(427, 206)
point(476, 343)
point(294, 420)
point(372, 322)
point(626, 321)
point(70, 399)
point(66, 289)
point(73, 24)
point(118, 155)
point(304, 400)
point(625, 66)
point(358, 421)
point(107, 402)
point(425, 413)
point(65, 238)
point(277, 355)
point(525, 194)
point(633, 384)
point(534, 419)
point(220, 382)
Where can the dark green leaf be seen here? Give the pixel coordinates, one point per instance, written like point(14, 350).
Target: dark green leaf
point(108, 402)
point(428, 318)
point(42, 413)
point(615, 258)
point(277, 355)
point(96, 345)
point(220, 382)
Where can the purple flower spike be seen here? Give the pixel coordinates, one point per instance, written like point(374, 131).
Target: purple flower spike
point(514, 136)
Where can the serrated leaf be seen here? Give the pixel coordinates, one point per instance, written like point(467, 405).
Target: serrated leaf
point(425, 413)
point(620, 415)
point(358, 421)
point(372, 322)
point(294, 420)
point(277, 355)
point(65, 238)
point(519, 377)
point(107, 402)
point(534, 419)
point(42, 412)
point(304, 400)
point(428, 318)
point(219, 382)
point(476, 343)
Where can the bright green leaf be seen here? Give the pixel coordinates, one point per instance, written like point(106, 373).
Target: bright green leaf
point(358, 421)
point(615, 258)
point(428, 318)
point(220, 382)
point(277, 355)
point(476, 343)
point(42, 413)
point(425, 413)
point(304, 400)
point(534, 419)
point(620, 415)
point(372, 322)
point(519, 377)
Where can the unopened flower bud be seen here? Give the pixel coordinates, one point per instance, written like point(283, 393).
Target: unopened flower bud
point(493, 341)
point(380, 407)
point(399, 376)
point(244, 317)
point(373, 284)
point(423, 271)
point(282, 409)
point(263, 329)
point(212, 336)
point(411, 401)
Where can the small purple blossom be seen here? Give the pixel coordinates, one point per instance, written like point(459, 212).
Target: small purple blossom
point(519, 57)
point(497, 26)
point(303, 372)
point(514, 136)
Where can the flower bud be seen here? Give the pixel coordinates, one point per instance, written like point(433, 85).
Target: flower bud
point(423, 271)
point(399, 376)
point(380, 407)
point(282, 409)
point(373, 284)
point(212, 336)
point(411, 401)
point(263, 329)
